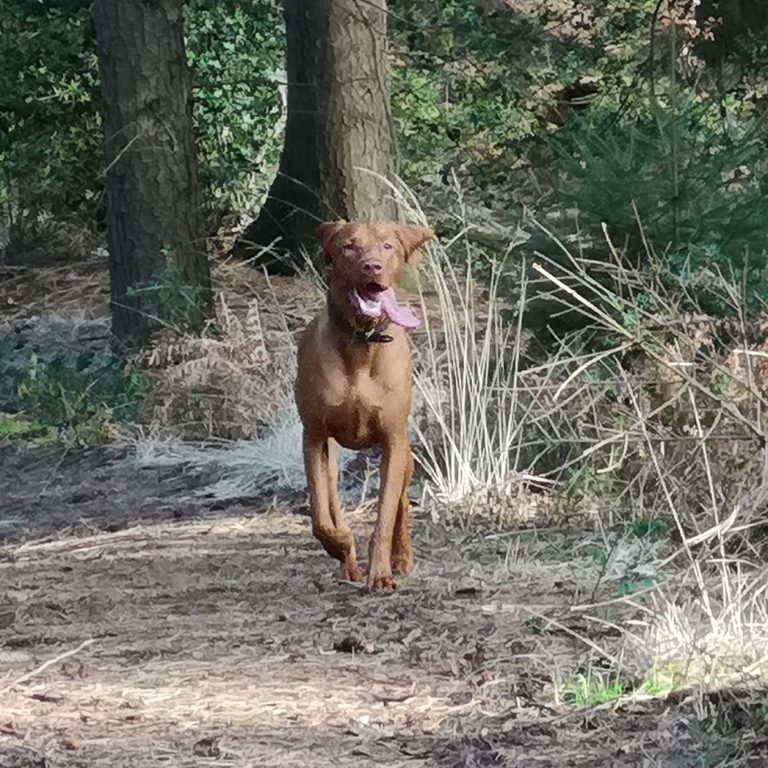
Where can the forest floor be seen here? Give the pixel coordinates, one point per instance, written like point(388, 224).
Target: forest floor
point(143, 623)
point(181, 634)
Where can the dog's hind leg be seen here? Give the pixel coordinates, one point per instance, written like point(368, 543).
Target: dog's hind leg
point(402, 548)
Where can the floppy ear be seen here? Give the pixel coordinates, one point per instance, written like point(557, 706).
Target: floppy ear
point(412, 239)
point(326, 232)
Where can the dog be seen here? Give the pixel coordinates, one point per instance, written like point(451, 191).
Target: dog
point(353, 388)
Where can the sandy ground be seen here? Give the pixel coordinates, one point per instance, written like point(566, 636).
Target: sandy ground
point(202, 636)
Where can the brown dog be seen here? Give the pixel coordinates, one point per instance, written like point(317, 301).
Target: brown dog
point(354, 388)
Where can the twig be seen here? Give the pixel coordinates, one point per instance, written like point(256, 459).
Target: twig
point(45, 665)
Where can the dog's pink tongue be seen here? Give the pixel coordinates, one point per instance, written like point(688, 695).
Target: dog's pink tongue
point(401, 315)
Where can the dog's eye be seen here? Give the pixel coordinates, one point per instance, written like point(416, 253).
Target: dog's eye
point(387, 246)
point(348, 246)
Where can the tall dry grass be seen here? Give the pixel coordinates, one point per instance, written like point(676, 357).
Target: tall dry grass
point(682, 440)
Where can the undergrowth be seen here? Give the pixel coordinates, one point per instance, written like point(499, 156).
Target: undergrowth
point(76, 400)
point(590, 688)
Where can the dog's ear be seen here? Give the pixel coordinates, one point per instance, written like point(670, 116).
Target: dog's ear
point(326, 232)
point(412, 239)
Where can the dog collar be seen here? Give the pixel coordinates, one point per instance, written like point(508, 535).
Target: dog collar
point(371, 336)
point(374, 335)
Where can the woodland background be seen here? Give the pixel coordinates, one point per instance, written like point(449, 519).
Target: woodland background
point(589, 420)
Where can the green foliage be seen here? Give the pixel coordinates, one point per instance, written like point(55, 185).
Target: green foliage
point(480, 92)
point(591, 688)
point(663, 680)
point(235, 52)
point(77, 398)
point(649, 528)
point(693, 188)
point(15, 428)
point(459, 94)
point(632, 586)
point(50, 142)
point(601, 556)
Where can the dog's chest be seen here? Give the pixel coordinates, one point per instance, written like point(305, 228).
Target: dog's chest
point(354, 412)
point(356, 394)
point(360, 409)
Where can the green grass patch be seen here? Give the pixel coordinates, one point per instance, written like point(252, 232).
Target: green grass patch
point(591, 688)
point(16, 428)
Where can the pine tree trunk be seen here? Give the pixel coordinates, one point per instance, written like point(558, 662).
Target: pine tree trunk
point(339, 127)
point(355, 128)
point(158, 264)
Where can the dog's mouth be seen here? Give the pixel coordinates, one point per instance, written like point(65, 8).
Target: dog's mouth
point(374, 300)
point(365, 299)
point(371, 290)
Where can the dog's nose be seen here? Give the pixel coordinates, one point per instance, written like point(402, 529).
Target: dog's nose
point(373, 267)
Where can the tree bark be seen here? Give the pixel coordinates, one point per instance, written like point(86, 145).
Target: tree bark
point(155, 232)
point(287, 217)
point(339, 134)
point(356, 132)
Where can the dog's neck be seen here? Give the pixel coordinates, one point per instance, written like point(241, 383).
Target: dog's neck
point(359, 330)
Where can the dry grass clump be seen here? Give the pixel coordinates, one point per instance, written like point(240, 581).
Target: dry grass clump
point(647, 383)
point(669, 403)
point(674, 415)
point(228, 386)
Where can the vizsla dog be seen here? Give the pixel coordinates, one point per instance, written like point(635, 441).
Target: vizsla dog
point(354, 388)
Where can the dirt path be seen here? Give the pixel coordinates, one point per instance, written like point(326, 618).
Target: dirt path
point(220, 637)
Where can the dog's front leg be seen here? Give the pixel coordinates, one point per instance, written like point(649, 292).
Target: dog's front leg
point(393, 468)
point(350, 570)
point(337, 543)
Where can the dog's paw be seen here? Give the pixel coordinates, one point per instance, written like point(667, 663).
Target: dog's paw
point(351, 572)
point(380, 579)
point(402, 562)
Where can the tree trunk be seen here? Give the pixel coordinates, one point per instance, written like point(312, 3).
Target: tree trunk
point(158, 264)
point(287, 217)
point(339, 130)
point(356, 132)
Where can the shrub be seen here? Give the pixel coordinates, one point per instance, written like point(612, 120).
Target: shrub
point(235, 52)
point(50, 135)
point(80, 397)
point(693, 190)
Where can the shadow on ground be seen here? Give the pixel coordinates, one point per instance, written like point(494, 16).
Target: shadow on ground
point(53, 489)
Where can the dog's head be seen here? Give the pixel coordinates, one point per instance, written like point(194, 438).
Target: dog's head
point(362, 253)
point(365, 260)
